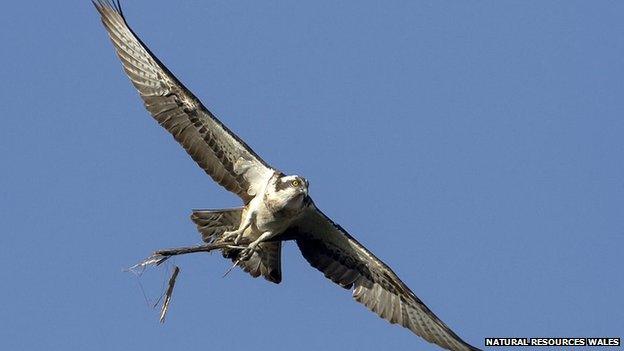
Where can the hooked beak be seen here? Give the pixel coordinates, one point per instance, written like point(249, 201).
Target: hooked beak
point(304, 190)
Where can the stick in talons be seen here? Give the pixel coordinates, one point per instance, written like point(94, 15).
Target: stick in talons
point(160, 256)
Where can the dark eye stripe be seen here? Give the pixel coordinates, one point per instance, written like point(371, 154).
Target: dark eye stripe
point(282, 185)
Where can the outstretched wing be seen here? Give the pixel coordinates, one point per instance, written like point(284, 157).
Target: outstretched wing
point(330, 249)
point(226, 158)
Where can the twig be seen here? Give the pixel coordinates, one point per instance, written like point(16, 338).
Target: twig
point(230, 269)
point(192, 249)
point(160, 256)
point(165, 306)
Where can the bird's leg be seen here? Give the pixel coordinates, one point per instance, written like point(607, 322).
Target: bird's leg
point(247, 252)
point(238, 233)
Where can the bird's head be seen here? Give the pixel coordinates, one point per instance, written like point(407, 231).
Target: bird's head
point(288, 190)
point(292, 184)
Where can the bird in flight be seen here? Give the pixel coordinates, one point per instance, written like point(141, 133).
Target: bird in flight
point(277, 207)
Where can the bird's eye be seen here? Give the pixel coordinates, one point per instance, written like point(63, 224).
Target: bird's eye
point(295, 182)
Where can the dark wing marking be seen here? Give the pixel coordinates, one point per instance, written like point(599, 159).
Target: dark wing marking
point(266, 261)
point(226, 158)
point(330, 249)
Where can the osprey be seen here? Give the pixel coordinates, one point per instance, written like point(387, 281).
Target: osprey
point(277, 207)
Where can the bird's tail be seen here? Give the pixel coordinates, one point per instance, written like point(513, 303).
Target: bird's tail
point(265, 261)
point(213, 223)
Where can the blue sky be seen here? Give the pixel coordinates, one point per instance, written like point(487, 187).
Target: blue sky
point(476, 147)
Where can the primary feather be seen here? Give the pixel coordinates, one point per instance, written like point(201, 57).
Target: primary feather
point(277, 207)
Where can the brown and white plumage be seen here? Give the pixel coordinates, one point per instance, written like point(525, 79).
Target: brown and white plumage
point(330, 249)
point(266, 262)
point(277, 207)
point(226, 158)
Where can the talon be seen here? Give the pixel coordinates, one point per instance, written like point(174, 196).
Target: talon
point(245, 254)
point(236, 234)
point(238, 238)
point(227, 235)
